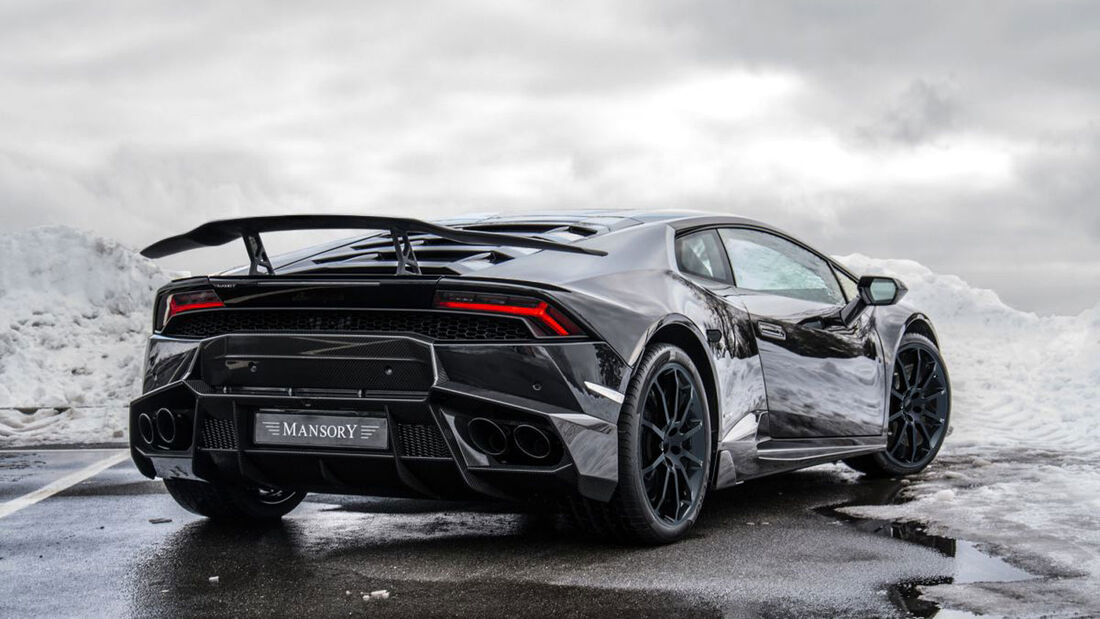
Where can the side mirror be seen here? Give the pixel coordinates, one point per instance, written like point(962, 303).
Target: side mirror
point(880, 290)
point(873, 290)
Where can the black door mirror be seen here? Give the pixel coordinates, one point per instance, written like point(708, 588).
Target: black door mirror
point(873, 290)
point(880, 290)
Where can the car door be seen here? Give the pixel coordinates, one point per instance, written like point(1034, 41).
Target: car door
point(823, 378)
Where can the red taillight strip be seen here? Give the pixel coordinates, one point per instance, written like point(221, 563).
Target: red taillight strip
point(188, 301)
point(175, 308)
point(540, 311)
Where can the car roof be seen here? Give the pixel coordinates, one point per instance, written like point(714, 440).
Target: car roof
point(607, 217)
point(374, 252)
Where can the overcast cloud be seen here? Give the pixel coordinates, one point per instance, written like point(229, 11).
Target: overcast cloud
point(964, 135)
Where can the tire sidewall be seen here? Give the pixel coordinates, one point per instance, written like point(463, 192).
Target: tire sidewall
point(631, 483)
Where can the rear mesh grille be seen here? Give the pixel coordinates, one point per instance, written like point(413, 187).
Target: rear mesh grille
point(218, 434)
point(434, 325)
point(422, 441)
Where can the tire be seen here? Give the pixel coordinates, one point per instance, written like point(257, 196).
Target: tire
point(232, 502)
point(631, 516)
point(919, 414)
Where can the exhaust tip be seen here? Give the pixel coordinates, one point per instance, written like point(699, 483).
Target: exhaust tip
point(532, 442)
point(145, 428)
point(166, 426)
point(487, 436)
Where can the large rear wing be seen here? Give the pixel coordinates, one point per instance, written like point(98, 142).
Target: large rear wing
point(248, 229)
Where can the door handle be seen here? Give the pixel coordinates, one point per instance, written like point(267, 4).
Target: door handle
point(771, 331)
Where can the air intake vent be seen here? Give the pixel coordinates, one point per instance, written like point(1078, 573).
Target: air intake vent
point(218, 434)
point(422, 441)
point(438, 256)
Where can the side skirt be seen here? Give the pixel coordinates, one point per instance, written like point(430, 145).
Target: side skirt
point(742, 462)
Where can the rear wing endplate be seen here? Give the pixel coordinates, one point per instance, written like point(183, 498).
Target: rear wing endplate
point(248, 229)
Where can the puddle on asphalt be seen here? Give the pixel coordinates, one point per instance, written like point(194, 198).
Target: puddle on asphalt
point(970, 564)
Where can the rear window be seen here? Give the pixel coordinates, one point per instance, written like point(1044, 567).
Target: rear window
point(701, 254)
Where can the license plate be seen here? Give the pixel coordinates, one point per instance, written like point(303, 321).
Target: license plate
point(312, 430)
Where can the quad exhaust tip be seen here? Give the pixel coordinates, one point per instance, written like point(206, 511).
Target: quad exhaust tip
point(487, 436)
point(145, 428)
point(166, 426)
point(532, 442)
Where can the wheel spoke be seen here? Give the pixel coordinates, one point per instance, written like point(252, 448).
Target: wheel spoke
point(933, 417)
point(925, 434)
point(663, 399)
point(913, 443)
point(676, 496)
point(692, 432)
point(647, 424)
point(902, 376)
point(691, 492)
point(694, 458)
point(896, 415)
point(931, 375)
point(675, 397)
point(664, 490)
point(682, 470)
point(681, 419)
point(897, 394)
point(916, 369)
point(897, 442)
point(652, 467)
point(935, 395)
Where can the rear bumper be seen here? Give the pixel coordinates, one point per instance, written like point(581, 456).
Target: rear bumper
point(426, 391)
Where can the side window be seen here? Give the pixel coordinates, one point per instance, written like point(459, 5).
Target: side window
point(768, 263)
point(701, 254)
point(850, 286)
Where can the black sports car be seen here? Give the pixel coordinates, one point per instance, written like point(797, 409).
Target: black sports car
point(619, 363)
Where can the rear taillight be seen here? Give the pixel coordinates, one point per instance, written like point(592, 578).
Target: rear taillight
point(546, 318)
point(179, 302)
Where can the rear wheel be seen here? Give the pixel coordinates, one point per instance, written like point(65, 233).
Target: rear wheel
point(664, 454)
point(919, 412)
point(232, 502)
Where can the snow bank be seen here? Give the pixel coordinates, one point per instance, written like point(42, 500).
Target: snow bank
point(74, 314)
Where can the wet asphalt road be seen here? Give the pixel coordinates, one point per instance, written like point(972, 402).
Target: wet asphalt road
point(760, 550)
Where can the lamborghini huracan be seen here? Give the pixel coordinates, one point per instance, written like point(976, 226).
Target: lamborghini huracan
point(617, 364)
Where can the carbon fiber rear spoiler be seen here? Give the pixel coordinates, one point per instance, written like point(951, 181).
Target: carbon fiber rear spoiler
point(220, 232)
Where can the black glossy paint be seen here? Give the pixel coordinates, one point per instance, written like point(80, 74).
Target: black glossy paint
point(818, 394)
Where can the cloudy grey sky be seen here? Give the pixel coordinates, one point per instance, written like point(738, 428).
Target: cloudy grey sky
point(964, 135)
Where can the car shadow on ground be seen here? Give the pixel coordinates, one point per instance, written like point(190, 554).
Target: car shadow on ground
point(491, 559)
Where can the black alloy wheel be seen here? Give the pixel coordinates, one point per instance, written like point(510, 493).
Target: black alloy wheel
point(918, 406)
point(665, 454)
point(919, 411)
point(673, 444)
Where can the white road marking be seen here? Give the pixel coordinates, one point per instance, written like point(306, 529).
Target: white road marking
point(52, 488)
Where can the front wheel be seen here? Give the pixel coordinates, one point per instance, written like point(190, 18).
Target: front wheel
point(919, 412)
point(232, 502)
point(664, 454)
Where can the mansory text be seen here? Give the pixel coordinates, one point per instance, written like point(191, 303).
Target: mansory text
point(619, 364)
